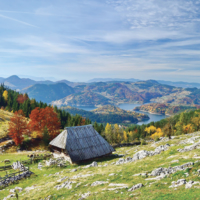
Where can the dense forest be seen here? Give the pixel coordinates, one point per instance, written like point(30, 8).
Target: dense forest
point(13, 101)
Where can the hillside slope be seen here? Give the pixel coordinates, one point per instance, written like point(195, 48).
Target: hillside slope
point(171, 172)
point(4, 119)
point(82, 98)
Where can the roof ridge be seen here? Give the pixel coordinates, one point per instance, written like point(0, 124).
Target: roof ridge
point(78, 126)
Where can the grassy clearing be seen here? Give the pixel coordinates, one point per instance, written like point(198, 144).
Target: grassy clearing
point(45, 180)
point(4, 119)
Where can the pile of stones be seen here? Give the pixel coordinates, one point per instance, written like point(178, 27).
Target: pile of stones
point(11, 179)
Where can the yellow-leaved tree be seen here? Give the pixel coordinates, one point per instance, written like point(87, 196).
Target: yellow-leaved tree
point(150, 130)
point(188, 129)
point(157, 134)
point(125, 136)
point(5, 95)
point(108, 133)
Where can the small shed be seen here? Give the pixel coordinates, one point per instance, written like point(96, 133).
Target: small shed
point(81, 143)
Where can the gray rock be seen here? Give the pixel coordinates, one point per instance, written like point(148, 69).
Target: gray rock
point(73, 170)
point(190, 148)
point(67, 184)
point(139, 185)
point(12, 190)
point(165, 171)
point(94, 164)
point(143, 154)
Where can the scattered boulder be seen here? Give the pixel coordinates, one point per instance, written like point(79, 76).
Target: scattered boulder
point(94, 164)
point(139, 185)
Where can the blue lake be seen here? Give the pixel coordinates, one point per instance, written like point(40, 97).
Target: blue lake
point(153, 117)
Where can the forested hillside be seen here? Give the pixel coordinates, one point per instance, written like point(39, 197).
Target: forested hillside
point(109, 114)
point(164, 108)
point(13, 101)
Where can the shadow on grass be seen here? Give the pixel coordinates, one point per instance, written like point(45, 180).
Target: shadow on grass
point(100, 159)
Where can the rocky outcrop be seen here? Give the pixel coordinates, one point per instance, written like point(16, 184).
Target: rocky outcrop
point(143, 154)
point(190, 140)
point(190, 148)
point(180, 182)
point(162, 172)
point(67, 184)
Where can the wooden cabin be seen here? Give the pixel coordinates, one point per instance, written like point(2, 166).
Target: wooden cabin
point(80, 143)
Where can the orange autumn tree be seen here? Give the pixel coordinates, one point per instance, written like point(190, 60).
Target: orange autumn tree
point(21, 98)
point(44, 118)
point(18, 127)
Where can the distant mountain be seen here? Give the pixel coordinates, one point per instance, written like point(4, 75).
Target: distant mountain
point(176, 84)
point(48, 93)
point(83, 98)
point(16, 83)
point(180, 84)
point(112, 80)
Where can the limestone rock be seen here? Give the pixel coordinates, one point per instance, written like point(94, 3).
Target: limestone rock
point(62, 179)
point(190, 148)
point(99, 183)
point(139, 185)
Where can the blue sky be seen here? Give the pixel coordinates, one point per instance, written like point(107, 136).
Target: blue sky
point(81, 40)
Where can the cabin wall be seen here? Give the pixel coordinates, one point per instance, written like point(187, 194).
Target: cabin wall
point(58, 153)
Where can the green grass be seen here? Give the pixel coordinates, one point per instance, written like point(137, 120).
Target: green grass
point(124, 174)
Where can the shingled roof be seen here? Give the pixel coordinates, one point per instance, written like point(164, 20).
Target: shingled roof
point(82, 143)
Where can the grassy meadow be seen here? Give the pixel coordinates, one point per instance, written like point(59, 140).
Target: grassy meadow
point(46, 179)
